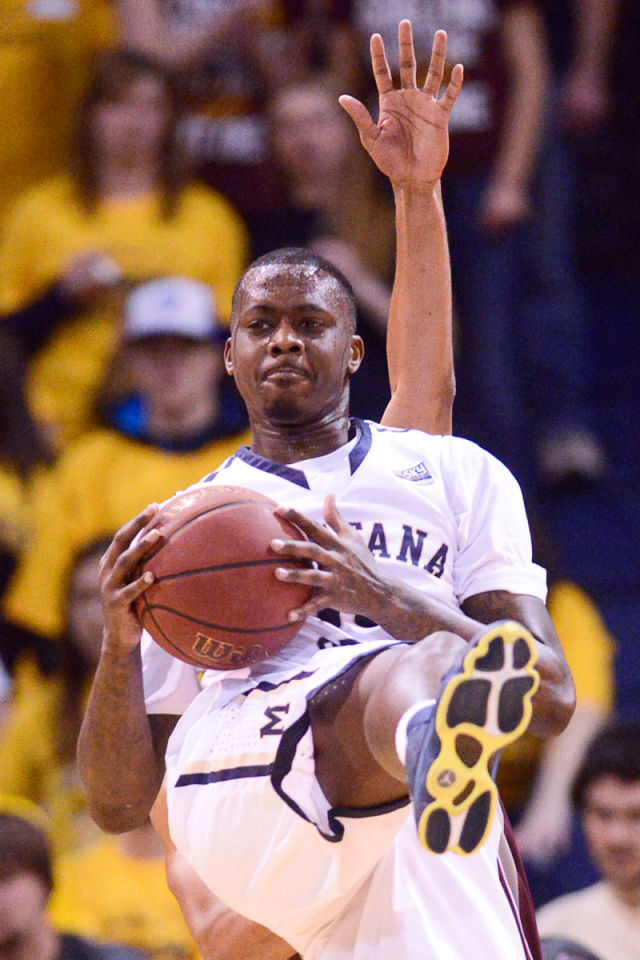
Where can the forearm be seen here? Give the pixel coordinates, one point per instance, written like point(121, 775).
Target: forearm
point(594, 29)
point(116, 756)
point(525, 50)
point(419, 336)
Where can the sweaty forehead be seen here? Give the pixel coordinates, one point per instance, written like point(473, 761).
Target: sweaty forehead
point(292, 284)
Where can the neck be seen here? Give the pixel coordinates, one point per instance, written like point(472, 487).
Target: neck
point(629, 895)
point(287, 443)
point(123, 179)
point(41, 943)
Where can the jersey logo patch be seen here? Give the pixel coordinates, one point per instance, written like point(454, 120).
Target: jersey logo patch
point(416, 474)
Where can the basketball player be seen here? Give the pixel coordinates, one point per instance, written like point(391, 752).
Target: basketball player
point(287, 784)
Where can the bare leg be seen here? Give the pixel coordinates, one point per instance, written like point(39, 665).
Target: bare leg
point(484, 704)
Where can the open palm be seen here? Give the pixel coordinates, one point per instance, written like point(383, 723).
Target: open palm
point(410, 142)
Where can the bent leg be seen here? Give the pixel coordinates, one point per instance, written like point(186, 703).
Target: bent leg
point(483, 704)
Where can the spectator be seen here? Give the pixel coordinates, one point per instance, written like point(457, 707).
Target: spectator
point(559, 948)
point(606, 793)
point(26, 882)
point(116, 888)
point(333, 197)
point(179, 422)
point(515, 290)
point(535, 777)
point(229, 58)
point(45, 52)
point(37, 746)
point(126, 201)
point(6, 695)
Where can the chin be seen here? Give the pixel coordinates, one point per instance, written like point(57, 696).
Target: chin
point(285, 410)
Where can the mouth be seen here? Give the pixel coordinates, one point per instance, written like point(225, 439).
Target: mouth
point(286, 374)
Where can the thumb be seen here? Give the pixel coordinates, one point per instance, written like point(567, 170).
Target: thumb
point(361, 117)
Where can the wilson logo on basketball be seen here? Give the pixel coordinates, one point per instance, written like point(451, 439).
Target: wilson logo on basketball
point(222, 652)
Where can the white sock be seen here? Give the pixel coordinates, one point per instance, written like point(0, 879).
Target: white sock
point(401, 729)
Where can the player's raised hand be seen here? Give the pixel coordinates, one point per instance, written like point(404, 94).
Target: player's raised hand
point(410, 142)
point(121, 582)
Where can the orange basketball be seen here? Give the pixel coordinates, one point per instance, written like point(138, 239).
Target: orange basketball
point(215, 601)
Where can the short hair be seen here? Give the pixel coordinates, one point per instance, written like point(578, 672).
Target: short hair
point(24, 848)
point(613, 752)
point(300, 257)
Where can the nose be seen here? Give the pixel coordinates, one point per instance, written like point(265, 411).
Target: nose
point(285, 339)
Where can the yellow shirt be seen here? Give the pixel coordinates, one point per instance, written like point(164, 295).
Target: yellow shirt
point(102, 893)
point(205, 240)
point(45, 50)
point(589, 650)
point(97, 485)
point(29, 766)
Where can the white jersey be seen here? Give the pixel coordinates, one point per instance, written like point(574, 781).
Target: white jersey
point(244, 805)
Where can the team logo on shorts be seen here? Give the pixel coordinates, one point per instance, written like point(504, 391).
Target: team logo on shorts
point(416, 474)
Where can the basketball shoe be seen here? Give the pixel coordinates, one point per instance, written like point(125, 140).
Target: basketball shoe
point(453, 745)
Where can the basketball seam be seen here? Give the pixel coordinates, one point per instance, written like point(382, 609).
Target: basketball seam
point(150, 607)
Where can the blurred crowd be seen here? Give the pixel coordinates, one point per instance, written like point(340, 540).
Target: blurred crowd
point(151, 149)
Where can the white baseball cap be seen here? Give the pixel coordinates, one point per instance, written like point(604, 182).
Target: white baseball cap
point(172, 306)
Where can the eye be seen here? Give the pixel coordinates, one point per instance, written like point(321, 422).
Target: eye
point(312, 325)
point(259, 325)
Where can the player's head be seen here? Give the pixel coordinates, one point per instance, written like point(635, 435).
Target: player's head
point(293, 344)
point(606, 793)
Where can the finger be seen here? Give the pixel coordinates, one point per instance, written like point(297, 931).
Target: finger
point(334, 518)
point(435, 72)
point(129, 559)
point(367, 129)
point(126, 534)
point(407, 56)
point(379, 65)
point(320, 579)
point(136, 588)
point(318, 602)
point(326, 538)
point(454, 87)
point(300, 550)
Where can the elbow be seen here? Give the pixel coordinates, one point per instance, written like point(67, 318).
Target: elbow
point(554, 706)
point(118, 819)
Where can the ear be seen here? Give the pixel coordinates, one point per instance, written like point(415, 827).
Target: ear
point(357, 353)
point(228, 362)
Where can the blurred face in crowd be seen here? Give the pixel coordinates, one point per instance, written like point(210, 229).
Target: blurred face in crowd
point(311, 135)
point(611, 820)
point(177, 377)
point(132, 127)
point(84, 610)
point(23, 899)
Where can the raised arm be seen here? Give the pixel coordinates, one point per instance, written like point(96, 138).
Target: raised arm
point(120, 752)
point(410, 145)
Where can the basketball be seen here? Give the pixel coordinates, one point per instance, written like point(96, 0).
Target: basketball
point(215, 601)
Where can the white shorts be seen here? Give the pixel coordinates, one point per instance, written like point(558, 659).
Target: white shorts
point(247, 812)
point(246, 809)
